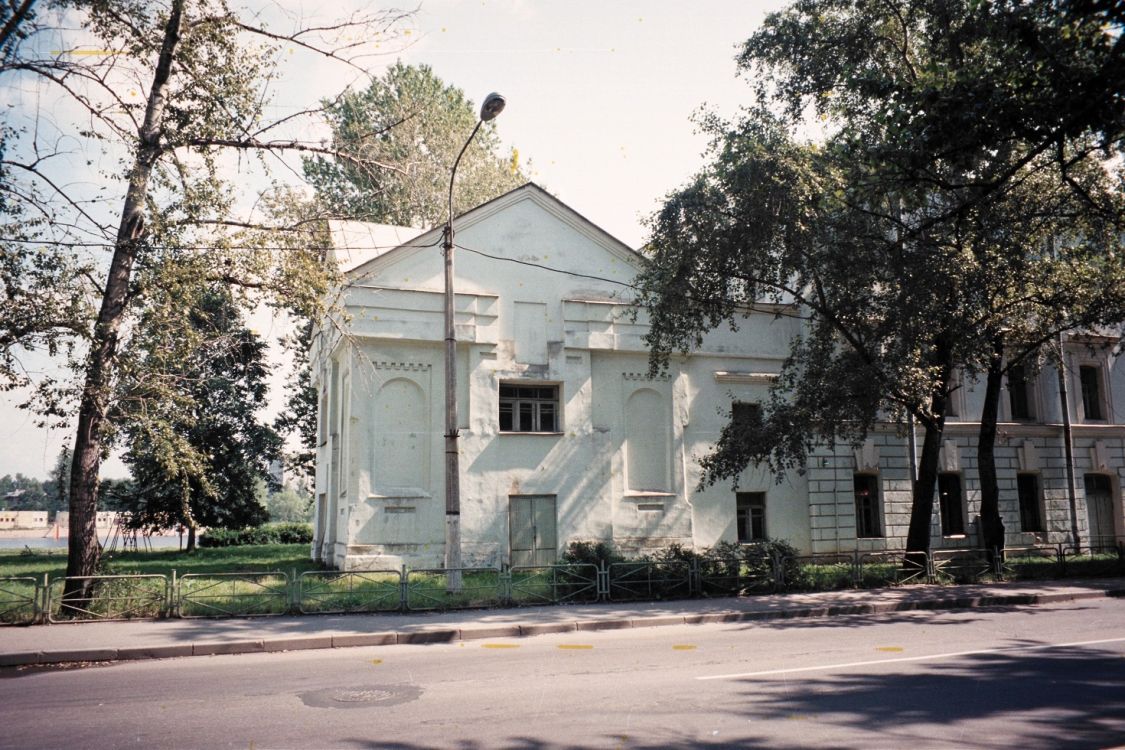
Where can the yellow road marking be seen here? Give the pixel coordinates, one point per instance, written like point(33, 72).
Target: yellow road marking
point(499, 645)
point(574, 646)
point(891, 649)
point(683, 647)
point(376, 662)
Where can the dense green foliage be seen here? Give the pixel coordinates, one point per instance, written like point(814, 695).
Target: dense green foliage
point(196, 448)
point(961, 197)
point(288, 505)
point(270, 533)
point(408, 119)
point(297, 420)
point(180, 85)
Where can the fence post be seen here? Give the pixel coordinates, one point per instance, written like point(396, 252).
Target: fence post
point(777, 572)
point(505, 585)
point(43, 602)
point(857, 569)
point(603, 580)
point(402, 588)
point(173, 588)
point(293, 594)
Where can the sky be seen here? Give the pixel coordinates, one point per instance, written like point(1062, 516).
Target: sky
point(600, 102)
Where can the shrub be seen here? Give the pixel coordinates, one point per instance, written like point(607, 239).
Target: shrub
point(591, 553)
point(271, 533)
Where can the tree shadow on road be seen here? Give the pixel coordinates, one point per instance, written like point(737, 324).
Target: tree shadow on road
point(926, 617)
point(608, 742)
point(1072, 697)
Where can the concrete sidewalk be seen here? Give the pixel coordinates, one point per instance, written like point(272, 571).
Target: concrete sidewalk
point(157, 639)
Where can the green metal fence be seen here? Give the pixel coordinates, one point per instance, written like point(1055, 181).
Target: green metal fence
point(28, 600)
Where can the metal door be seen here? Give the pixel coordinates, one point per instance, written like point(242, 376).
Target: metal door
point(532, 530)
point(1099, 507)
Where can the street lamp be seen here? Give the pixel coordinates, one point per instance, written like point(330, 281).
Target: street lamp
point(493, 105)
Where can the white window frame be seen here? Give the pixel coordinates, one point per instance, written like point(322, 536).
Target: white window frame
point(750, 501)
point(534, 401)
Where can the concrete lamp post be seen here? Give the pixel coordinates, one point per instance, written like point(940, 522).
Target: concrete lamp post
point(493, 105)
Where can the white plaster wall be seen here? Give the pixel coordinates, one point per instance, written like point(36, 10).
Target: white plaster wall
point(520, 322)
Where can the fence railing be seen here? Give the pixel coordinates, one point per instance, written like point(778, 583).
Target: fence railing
point(27, 600)
point(436, 589)
point(124, 597)
point(233, 594)
point(342, 592)
point(19, 600)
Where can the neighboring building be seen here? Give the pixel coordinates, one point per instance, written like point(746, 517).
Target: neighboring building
point(23, 519)
point(104, 519)
point(564, 436)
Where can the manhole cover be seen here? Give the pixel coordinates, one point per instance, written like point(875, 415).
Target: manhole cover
point(360, 697)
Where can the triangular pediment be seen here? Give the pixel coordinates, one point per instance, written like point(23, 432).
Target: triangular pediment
point(543, 220)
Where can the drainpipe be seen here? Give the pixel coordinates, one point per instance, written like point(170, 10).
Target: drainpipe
point(912, 437)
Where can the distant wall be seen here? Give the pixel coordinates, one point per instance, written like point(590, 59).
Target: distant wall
point(23, 519)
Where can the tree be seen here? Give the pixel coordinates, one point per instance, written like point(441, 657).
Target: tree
point(299, 416)
point(413, 120)
point(945, 124)
point(201, 74)
point(288, 505)
point(59, 480)
point(196, 448)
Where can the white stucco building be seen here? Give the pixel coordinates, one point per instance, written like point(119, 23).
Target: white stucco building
point(565, 437)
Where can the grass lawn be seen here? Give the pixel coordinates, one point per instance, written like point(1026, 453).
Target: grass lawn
point(257, 558)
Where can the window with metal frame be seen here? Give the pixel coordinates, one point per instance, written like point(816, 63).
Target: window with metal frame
point(529, 408)
point(867, 521)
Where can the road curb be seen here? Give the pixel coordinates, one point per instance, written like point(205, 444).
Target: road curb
point(523, 630)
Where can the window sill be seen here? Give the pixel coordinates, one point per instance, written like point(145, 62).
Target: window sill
point(642, 494)
point(516, 432)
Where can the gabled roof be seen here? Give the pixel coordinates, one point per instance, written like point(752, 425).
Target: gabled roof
point(526, 192)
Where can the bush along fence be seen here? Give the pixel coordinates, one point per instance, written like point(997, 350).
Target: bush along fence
point(677, 573)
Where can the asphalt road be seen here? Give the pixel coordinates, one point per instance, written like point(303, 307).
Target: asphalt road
point(1050, 677)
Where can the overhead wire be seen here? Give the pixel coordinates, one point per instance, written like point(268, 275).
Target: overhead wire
point(776, 309)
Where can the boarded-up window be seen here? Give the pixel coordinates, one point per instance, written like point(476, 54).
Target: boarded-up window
point(530, 332)
point(647, 441)
point(400, 435)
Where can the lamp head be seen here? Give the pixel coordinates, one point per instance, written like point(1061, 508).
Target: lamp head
point(493, 105)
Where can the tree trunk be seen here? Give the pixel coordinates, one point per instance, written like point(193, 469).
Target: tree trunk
point(82, 547)
point(190, 539)
point(922, 506)
point(992, 526)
